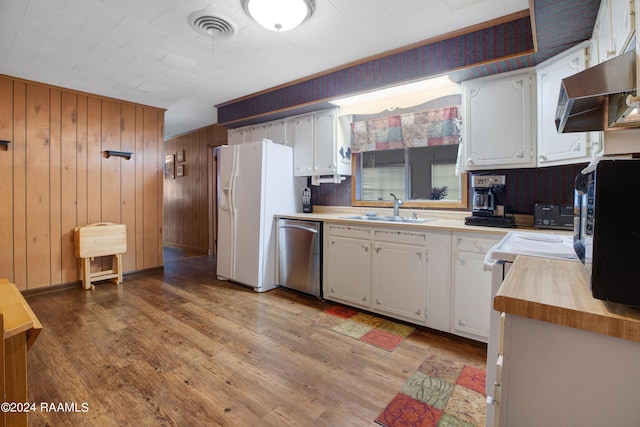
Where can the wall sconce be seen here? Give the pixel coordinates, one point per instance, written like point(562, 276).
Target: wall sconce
point(282, 15)
point(4, 144)
point(125, 154)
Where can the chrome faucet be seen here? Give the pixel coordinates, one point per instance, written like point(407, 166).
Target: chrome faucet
point(396, 205)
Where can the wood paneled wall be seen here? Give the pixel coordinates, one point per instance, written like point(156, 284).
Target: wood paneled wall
point(187, 220)
point(54, 177)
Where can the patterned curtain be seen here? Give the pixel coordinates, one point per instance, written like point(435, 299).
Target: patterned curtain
point(421, 129)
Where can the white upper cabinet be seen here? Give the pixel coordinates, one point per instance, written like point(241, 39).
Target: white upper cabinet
point(559, 148)
point(324, 137)
point(499, 121)
point(317, 147)
point(602, 35)
point(277, 131)
point(257, 133)
point(303, 145)
point(614, 28)
point(236, 136)
point(622, 24)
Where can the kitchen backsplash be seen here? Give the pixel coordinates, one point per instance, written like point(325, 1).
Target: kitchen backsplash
point(525, 188)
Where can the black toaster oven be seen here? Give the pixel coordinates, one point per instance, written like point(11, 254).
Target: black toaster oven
point(553, 216)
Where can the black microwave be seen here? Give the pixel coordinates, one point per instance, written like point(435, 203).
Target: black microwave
point(607, 228)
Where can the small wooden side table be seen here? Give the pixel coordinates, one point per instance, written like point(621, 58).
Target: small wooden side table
point(101, 239)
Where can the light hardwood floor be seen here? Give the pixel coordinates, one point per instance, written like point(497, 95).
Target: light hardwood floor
point(178, 347)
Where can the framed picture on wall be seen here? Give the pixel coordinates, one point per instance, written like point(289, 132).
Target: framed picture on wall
point(169, 167)
point(180, 156)
point(180, 170)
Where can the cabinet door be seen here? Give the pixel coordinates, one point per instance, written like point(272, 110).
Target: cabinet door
point(277, 131)
point(399, 275)
point(472, 296)
point(257, 133)
point(303, 148)
point(559, 148)
point(324, 137)
point(348, 271)
point(235, 136)
point(472, 299)
point(498, 122)
point(602, 32)
point(622, 24)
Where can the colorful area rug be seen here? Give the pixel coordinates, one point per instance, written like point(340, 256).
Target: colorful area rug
point(442, 392)
point(376, 331)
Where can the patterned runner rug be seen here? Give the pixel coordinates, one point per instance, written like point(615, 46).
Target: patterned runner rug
point(444, 391)
point(373, 330)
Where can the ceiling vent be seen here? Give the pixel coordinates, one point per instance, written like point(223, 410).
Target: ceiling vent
point(216, 26)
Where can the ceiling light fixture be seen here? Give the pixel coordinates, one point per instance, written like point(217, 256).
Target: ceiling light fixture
point(279, 15)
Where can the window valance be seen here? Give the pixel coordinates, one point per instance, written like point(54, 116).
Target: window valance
point(417, 129)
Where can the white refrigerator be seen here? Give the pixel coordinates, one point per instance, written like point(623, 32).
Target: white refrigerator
point(255, 181)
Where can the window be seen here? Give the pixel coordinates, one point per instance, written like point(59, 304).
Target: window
point(411, 154)
point(421, 176)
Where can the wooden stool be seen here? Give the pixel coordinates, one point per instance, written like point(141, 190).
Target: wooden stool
point(101, 239)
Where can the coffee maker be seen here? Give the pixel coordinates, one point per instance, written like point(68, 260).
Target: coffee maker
point(489, 202)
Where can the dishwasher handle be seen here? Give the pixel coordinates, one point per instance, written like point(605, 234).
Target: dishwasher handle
point(300, 227)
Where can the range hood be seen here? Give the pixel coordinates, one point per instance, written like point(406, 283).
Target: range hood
point(600, 97)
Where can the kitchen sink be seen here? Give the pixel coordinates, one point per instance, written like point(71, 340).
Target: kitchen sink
point(388, 218)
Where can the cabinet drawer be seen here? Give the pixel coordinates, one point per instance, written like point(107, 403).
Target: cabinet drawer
point(348, 231)
point(401, 236)
point(472, 243)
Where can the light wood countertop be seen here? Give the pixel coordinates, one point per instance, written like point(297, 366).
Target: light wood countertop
point(558, 291)
point(439, 220)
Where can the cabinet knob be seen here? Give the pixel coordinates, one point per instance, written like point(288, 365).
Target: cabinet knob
point(365, 248)
point(542, 157)
point(469, 161)
point(364, 298)
point(418, 312)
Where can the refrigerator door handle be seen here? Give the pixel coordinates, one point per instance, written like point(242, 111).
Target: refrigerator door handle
point(232, 195)
point(224, 198)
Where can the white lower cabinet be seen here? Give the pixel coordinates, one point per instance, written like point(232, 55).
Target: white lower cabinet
point(347, 265)
point(472, 302)
point(382, 270)
point(572, 373)
point(399, 274)
point(432, 278)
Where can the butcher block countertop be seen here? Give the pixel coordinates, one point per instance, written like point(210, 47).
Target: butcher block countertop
point(558, 291)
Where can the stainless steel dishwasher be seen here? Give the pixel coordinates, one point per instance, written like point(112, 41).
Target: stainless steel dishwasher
point(299, 255)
